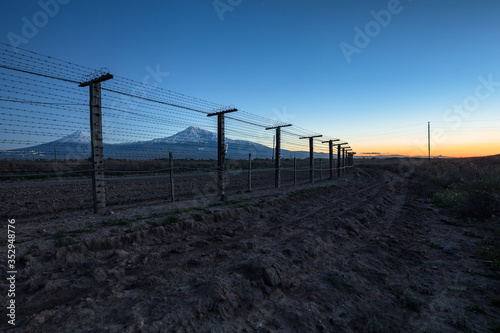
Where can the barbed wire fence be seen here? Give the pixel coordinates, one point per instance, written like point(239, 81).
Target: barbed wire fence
point(153, 140)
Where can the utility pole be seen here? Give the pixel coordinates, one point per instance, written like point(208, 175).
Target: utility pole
point(429, 139)
point(330, 150)
point(277, 155)
point(221, 150)
point(311, 155)
point(98, 184)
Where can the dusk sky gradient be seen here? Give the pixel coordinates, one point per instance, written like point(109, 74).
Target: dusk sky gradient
point(283, 60)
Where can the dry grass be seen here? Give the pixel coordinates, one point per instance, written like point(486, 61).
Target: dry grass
point(468, 187)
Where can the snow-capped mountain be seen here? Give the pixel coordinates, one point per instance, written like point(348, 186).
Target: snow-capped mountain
point(79, 138)
point(189, 135)
point(73, 146)
point(193, 142)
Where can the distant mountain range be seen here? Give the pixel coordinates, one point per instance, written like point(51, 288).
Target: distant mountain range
point(192, 142)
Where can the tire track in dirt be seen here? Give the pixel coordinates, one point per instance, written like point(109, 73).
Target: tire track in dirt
point(320, 248)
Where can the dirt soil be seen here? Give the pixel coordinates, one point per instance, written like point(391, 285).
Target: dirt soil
point(363, 253)
point(36, 197)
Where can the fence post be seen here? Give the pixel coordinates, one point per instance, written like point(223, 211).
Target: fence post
point(311, 161)
point(343, 161)
point(277, 159)
point(330, 152)
point(294, 171)
point(249, 172)
point(98, 184)
point(171, 162)
point(221, 156)
point(338, 161)
point(221, 151)
point(311, 155)
point(277, 154)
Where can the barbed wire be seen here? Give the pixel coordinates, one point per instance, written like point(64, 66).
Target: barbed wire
point(40, 98)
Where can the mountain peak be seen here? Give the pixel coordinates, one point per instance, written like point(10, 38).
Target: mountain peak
point(78, 137)
point(191, 134)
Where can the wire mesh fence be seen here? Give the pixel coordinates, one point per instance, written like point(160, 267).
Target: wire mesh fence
point(46, 140)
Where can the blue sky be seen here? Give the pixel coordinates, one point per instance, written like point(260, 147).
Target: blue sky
point(282, 59)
